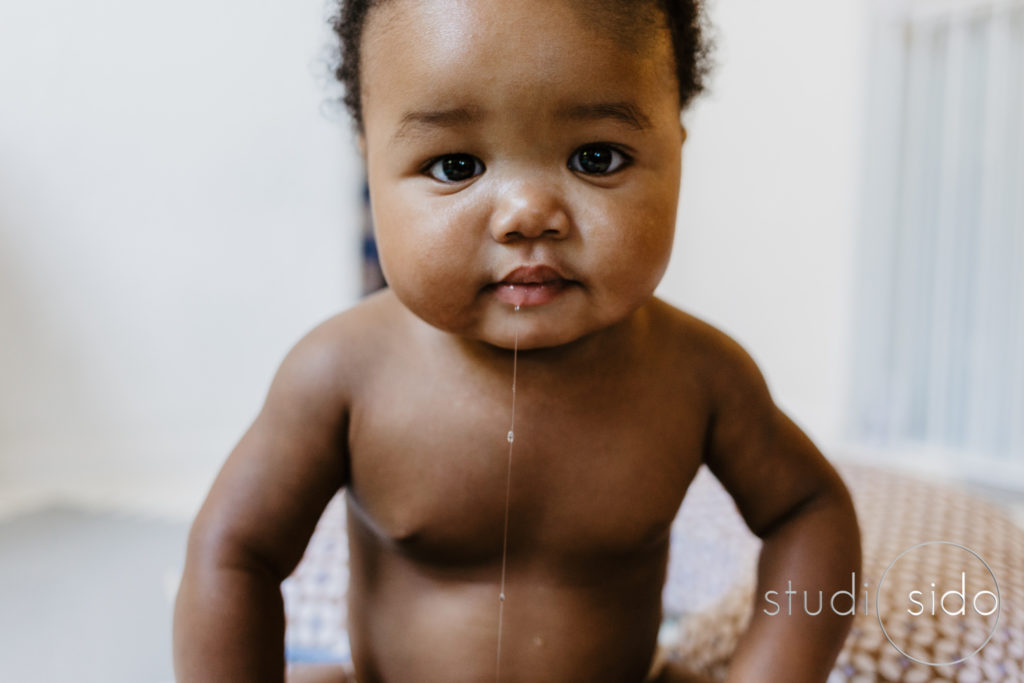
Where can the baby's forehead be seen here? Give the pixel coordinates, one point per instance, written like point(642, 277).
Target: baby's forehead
point(637, 28)
point(630, 23)
point(514, 64)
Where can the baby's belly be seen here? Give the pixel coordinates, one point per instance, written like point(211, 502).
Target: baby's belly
point(410, 622)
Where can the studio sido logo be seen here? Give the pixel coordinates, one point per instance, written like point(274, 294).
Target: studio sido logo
point(938, 603)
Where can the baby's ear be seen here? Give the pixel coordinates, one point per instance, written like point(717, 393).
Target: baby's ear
point(361, 143)
point(682, 131)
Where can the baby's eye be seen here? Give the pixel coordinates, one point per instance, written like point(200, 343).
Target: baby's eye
point(454, 168)
point(598, 160)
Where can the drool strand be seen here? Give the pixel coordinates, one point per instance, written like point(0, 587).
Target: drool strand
point(511, 437)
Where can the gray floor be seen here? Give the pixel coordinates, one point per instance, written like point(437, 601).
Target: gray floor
point(86, 596)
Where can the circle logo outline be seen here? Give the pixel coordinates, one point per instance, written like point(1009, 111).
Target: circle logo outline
point(999, 607)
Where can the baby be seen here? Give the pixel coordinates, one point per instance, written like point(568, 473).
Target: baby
point(524, 168)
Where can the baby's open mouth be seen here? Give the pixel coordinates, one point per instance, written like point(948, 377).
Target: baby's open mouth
point(531, 286)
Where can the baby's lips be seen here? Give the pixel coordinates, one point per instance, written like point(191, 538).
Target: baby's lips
point(530, 294)
point(535, 274)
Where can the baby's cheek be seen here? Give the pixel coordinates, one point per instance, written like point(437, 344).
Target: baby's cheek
point(642, 252)
point(435, 285)
point(656, 237)
point(659, 249)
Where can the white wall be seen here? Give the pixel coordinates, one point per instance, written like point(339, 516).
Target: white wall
point(176, 209)
point(771, 182)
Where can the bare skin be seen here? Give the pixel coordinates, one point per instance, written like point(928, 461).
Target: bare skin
point(606, 444)
point(565, 146)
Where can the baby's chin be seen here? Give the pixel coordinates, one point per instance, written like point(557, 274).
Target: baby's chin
point(558, 325)
point(505, 337)
point(516, 330)
point(532, 341)
point(535, 333)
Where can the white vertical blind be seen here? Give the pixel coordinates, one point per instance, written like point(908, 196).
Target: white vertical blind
point(940, 352)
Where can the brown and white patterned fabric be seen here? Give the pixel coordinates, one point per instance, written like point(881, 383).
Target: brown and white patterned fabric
point(314, 595)
point(897, 513)
point(709, 594)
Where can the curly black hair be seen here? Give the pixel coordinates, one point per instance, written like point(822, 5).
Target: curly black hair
point(685, 19)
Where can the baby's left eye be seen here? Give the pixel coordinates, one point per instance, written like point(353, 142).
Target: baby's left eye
point(455, 168)
point(598, 160)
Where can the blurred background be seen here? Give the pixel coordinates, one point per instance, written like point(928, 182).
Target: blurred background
point(181, 200)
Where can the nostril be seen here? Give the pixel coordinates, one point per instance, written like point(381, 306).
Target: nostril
point(528, 220)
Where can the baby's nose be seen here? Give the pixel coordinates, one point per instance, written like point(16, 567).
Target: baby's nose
point(529, 211)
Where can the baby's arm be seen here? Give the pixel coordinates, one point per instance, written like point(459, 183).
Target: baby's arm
point(255, 524)
point(795, 502)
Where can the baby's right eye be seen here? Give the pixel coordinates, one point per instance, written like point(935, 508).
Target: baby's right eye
point(454, 168)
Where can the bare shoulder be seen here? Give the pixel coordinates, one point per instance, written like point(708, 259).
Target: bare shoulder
point(294, 457)
point(719, 363)
point(333, 355)
point(765, 461)
point(322, 375)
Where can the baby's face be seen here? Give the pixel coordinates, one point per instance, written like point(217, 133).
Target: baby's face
point(519, 153)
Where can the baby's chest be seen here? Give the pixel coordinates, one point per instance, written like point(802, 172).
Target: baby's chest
point(435, 482)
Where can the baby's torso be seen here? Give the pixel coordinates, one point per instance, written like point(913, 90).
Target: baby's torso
point(599, 467)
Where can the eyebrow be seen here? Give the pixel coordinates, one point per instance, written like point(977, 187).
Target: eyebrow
point(442, 118)
point(624, 112)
